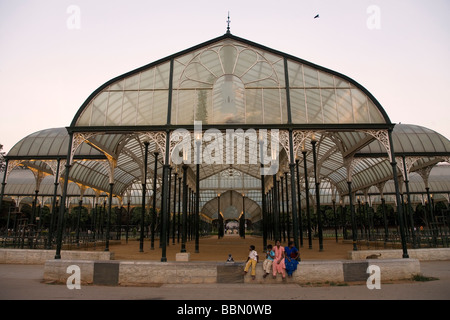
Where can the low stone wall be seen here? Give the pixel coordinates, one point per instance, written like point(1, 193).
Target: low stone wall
point(153, 272)
point(136, 273)
point(336, 271)
point(37, 256)
point(420, 254)
point(56, 270)
point(132, 273)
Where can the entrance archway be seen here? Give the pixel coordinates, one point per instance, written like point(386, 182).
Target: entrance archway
point(233, 209)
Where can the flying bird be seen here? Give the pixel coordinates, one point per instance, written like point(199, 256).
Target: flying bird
point(316, 16)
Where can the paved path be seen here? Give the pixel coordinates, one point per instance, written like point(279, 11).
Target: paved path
point(24, 282)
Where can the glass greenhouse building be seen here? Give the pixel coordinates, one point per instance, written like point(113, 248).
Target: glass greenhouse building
point(230, 130)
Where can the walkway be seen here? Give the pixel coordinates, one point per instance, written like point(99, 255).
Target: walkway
point(23, 282)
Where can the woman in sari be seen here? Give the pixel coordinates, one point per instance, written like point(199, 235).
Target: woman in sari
point(291, 255)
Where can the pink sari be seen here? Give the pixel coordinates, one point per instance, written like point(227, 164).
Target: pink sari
point(278, 267)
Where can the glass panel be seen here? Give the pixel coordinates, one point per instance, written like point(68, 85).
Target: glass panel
point(279, 72)
point(34, 147)
point(247, 58)
point(99, 109)
point(114, 108)
point(178, 68)
point(144, 108)
point(132, 83)
point(260, 74)
point(130, 102)
point(211, 61)
point(257, 72)
point(314, 106)
point(228, 100)
point(46, 144)
point(147, 79)
point(413, 142)
point(283, 105)
point(344, 106)
point(253, 106)
point(266, 83)
point(162, 76)
point(295, 74)
point(330, 114)
point(197, 72)
point(228, 55)
point(341, 83)
point(160, 103)
point(85, 118)
point(183, 105)
point(202, 103)
point(118, 85)
point(360, 106)
point(192, 84)
point(152, 108)
point(326, 80)
point(310, 76)
point(272, 111)
point(374, 113)
point(185, 59)
point(298, 108)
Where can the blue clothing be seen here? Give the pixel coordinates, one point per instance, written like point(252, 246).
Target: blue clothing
point(290, 262)
point(270, 254)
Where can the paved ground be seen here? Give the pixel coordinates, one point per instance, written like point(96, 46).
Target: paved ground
point(24, 282)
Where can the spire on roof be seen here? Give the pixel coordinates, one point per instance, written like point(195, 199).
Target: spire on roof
point(228, 22)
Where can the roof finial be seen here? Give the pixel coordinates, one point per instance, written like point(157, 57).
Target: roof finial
point(228, 22)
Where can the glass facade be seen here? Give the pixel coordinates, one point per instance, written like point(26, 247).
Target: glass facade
point(230, 82)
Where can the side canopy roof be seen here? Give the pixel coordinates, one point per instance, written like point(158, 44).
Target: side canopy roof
point(34, 151)
point(50, 144)
point(230, 80)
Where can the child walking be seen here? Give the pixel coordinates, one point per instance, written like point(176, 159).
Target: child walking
point(252, 260)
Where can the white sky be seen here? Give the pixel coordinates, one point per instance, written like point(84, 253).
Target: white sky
point(47, 70)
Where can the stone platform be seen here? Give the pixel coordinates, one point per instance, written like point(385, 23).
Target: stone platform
point(38, 256)
point(420, 254)
point(142, 273)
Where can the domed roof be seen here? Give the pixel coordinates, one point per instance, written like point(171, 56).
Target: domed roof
point(414, 140)
point(49, 144)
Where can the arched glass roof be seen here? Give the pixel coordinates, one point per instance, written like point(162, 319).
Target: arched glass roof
point(411, 139)
point(229, 80)
point(50, 144)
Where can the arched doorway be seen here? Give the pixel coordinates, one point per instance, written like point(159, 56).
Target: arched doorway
point(233, 210)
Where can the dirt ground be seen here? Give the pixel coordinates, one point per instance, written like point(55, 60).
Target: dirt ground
point(214, 249)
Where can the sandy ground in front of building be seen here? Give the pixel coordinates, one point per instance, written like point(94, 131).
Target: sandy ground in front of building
point(213, 249)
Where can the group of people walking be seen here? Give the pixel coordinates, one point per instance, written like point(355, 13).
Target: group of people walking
point(278, 259)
